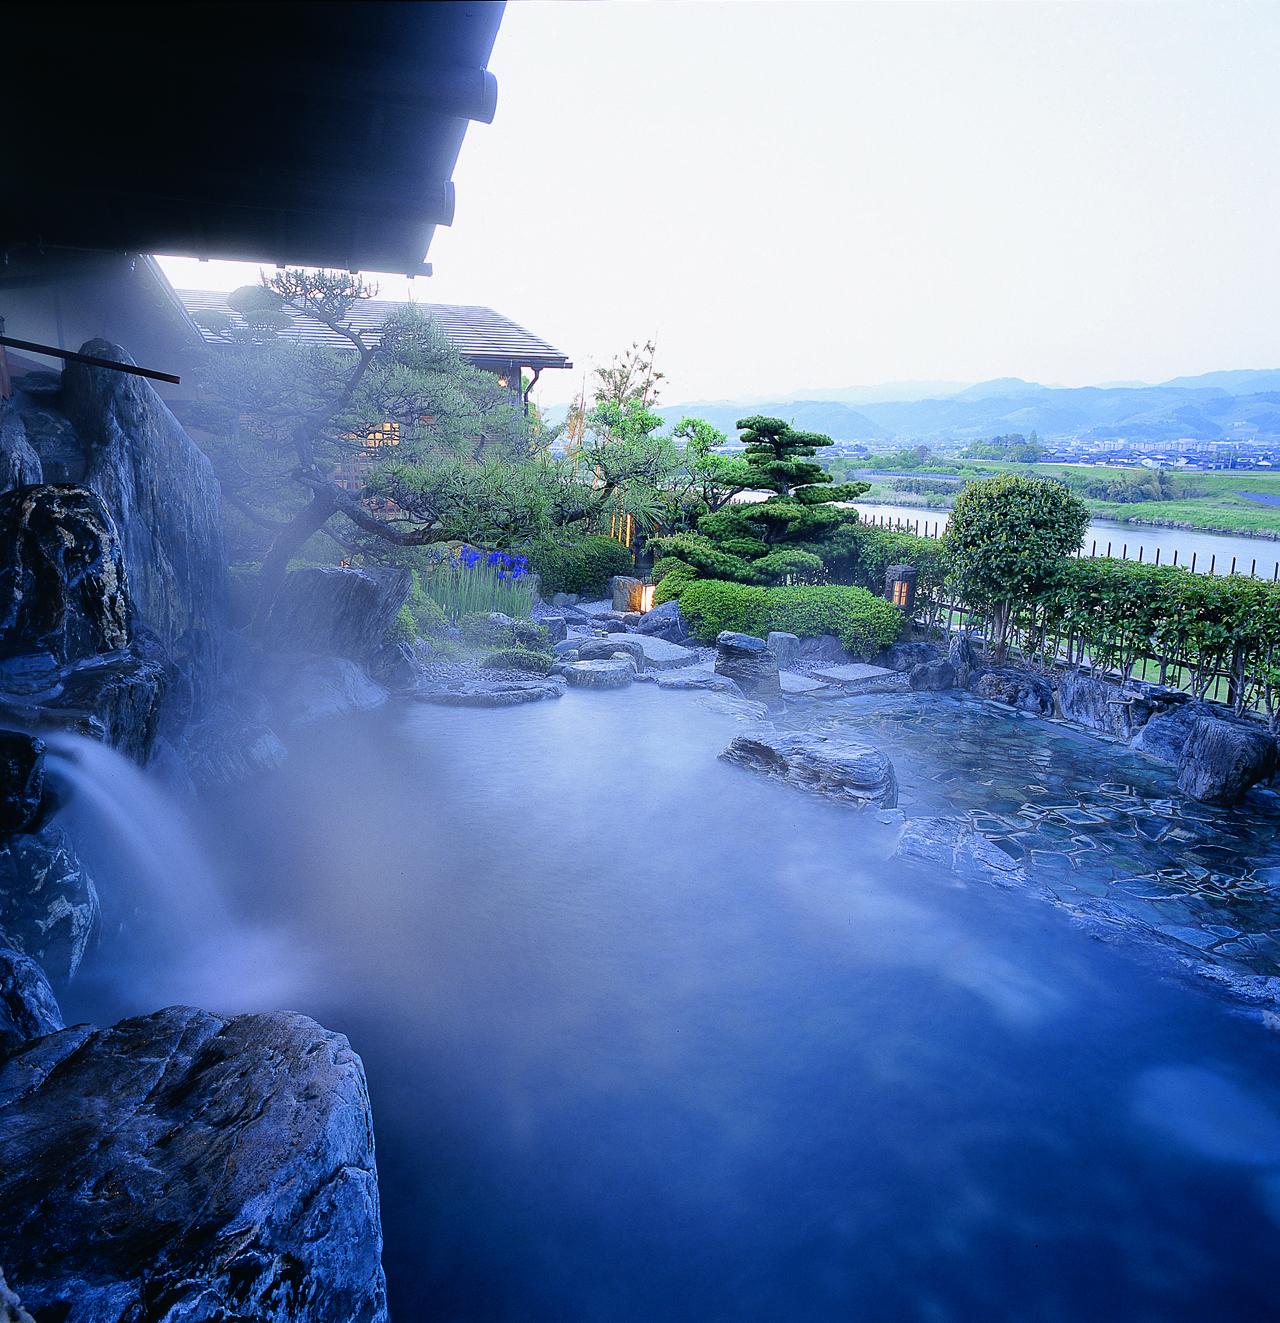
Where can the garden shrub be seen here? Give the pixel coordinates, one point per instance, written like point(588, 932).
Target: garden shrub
point(583, 567)
point(480, 628)
point(675, 576)
point(863, 622)
point(428, 615)
point(403, 629)
point(520, 659)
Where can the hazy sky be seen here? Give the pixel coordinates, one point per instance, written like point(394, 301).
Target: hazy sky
point(793, 195)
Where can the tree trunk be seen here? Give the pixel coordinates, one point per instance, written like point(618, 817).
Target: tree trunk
point(288, 542)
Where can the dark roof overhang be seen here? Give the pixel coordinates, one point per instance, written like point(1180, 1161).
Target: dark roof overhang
point(316, 134)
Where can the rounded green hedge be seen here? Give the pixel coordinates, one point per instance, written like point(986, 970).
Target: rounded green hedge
point(861, 621)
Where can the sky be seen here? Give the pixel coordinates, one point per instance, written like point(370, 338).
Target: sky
point(795, 196)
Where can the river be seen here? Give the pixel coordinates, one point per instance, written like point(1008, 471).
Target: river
point(1260, 556)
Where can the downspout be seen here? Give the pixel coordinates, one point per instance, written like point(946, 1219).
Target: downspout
point(537, 372)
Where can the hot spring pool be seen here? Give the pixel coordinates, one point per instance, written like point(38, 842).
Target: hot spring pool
point(650, 1038)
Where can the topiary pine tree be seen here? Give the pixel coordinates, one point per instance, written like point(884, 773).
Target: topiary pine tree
point(781, 461)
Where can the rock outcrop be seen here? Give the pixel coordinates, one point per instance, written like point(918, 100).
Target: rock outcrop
point(1222, 758)
point(341, 611)
point(747, 661)
point(954, 847)
point(933, 675)
point(307, 688)
point(166, 503)
point(609, 646)
point(186, 1166)
point(28, 1008)
point(21, 780)
point(664, 622)
point(604, 673)
point(48, 903)
point(785, 648)
point(62, 580)
point(1015, 688)
point(848, 773)
point(19, 464)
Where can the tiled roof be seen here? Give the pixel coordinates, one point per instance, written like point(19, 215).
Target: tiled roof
point(479, 334)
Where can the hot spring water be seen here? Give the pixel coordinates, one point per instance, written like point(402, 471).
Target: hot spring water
point(648, 1037)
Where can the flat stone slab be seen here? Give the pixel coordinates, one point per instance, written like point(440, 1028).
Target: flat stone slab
point(660, 655)
point(793, 682)
point(498, 695)
point(850, 672)
point(696, 677)
point(839, 769)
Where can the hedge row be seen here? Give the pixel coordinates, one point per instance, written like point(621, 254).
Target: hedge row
point(863, 622)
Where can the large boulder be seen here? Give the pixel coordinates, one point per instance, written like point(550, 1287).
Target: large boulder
point(48, 903)
point(338, 610)
point(1223, 758)
point(936, 674)
point(186, 1166)
point(1103, 705)
point(611, 645)
point(1165, 735)
point(821, 650)
point(837, 769)
point(21, 780)
point(664, 622)
point(1016, 688)
point(62, 577)
point(625, 592)
point(964, 656)
point(785, 648)
point(747, 661)
point(28, 1008)
point(907, 656)
point(307, 688)
point(161, 491)
point(19, 463)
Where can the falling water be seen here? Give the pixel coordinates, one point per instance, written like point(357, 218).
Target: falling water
point(162, 894)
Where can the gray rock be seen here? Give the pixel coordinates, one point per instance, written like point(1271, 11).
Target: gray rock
point(342, 611)
point(905, 656)
point(1223, 758)
point(48, 903)
point(823, 650)
point(183, 1165)
point(747, 661)
point(62, 577)
point(664, 622)
point(161, 491)
point(19, 463)
point(662, 655)
point(599, 674)
point(954, 846)
point(396, 666)
point(564, 599)
point(697, 678)
point(570, 644)
point(21, 780)
point(308, 688)
point(1015, 688)
point(785, 649)
point(11, 1310)
point(501, 693)
point(939, 674)
point(965, 657)
point(1165, 735)
point(602, 649)
point(230, 748)
point(28, 1008)
point(838, 769)
point(1102, 705)
point(556, 626)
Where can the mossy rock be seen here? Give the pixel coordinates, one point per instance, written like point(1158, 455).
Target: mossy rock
point(520, 659)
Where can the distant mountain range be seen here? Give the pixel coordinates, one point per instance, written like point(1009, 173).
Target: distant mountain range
point(1241, 405)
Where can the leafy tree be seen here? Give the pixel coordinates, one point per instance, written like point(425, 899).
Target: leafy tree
point(1007, 540)
point(392, 441)
point(1013, 449)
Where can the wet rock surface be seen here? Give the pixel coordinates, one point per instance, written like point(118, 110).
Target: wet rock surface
point(954, 848)
point(28, 1008)
point(62, 578)
point(1223, 758)
point(187, 1166)
point(21, 780)
point(48, 903)
point(837, 769)
point(1015, 688)
point(665, 622)
point(494, 693)
point(307, 688)
point(747, 661)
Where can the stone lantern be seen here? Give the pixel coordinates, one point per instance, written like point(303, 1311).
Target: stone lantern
point(900, 587)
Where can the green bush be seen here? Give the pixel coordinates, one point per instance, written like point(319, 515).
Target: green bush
point(861, 621)
point(520, 659)
point(675, 576)
point(402, 629)
point(530, 634)
point(428, 615)
point(480, 628)
point(583, 567)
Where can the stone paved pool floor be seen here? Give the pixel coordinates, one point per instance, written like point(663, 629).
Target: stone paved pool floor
point(1084, 816)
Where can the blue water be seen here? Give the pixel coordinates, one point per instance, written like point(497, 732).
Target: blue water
point(650, 1038)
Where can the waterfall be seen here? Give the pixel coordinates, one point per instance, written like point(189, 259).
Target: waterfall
point(171, 935)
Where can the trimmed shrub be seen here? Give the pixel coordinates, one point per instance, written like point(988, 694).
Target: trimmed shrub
point(583, 567)
point(861, 621)
point(675, 576)
point(520, 659)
